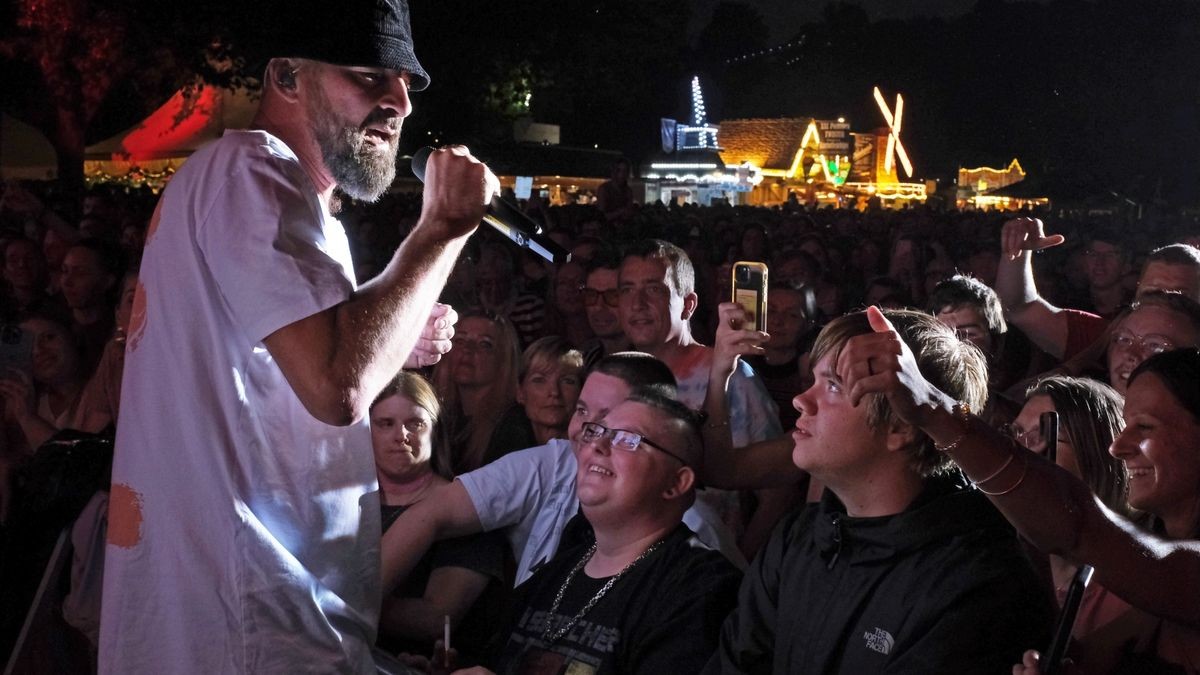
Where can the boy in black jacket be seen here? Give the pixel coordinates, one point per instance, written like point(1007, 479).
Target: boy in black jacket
point(902, 567)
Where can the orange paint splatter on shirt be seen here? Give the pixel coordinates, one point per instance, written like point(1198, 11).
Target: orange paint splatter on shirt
point(124, 516)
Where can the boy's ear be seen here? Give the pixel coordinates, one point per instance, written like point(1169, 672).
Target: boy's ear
point(901, 436)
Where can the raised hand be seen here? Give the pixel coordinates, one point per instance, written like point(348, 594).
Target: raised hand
point(733, 339)
point(435, 337)
point(1025, 234)
point(881, 363)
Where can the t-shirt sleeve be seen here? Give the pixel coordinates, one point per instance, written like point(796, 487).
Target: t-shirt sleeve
point(273, 256)
point(1083, 328)
point(752, 412)
point(482, 553)
point(509, 488)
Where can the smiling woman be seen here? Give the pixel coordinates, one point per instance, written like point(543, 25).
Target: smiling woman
point(549, 385)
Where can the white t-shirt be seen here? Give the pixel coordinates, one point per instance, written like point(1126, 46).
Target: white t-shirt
point(243, 533)
point(753, 417)
point(532, 493)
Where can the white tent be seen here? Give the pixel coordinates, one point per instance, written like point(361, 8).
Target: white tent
point(149, 152)
point(25, 154)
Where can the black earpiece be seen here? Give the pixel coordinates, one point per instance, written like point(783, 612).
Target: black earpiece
point(287, 79)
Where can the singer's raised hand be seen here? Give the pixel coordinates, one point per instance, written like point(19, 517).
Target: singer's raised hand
point(458, 188)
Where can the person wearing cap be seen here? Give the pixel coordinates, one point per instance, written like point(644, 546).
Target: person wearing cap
point(244, 521)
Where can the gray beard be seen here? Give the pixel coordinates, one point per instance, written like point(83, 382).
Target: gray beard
point(362, 170)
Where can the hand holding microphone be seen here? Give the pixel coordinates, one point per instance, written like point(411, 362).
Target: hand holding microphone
point(504, 217)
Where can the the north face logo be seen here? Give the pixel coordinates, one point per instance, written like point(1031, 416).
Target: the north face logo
point(880, 641)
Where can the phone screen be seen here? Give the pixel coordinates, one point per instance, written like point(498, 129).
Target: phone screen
point(750, 291)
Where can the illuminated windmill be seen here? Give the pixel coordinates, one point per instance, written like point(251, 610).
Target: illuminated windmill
point(894, 146)
point(700, 134)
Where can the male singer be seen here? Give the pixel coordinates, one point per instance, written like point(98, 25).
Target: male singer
point(244, 520)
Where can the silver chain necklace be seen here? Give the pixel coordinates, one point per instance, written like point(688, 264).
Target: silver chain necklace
point(551, 637)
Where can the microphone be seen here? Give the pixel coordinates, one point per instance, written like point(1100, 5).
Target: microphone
point(507, 219)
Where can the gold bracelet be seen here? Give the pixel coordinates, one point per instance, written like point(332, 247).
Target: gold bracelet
point(1024, 471)
point(963, 412)
point(997, 472)
point(717, 425)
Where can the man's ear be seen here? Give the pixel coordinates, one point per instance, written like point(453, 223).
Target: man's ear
point(282, 77)
point(682, 482)
point(690, 302)
point(901, 435)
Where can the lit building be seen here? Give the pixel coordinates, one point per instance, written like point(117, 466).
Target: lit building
point(984, 188)
point(769, 161)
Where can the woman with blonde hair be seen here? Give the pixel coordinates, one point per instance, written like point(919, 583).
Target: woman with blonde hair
point(476, 383)
point(548, 388)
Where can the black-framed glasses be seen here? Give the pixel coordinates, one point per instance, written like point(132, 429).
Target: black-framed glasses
point(591, 296)
point(622, 439)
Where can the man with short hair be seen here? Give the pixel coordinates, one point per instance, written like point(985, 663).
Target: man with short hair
point(641, 595)
point(600, 300)
point(243, 531)
point(1106, 263)
point(972, 310)
point(530, 494)
point(900, 567)
point(658, 298)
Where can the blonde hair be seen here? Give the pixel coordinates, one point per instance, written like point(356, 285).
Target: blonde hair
point(957, 368)
point(469, 431)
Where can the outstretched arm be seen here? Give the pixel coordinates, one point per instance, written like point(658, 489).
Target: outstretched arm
point(339, 359)
point(1044, 323)
point(447, 511)
point(759, 465)
point(1051, 507)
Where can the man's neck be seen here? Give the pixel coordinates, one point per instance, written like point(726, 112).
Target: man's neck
point(780, 355)
point(676, 353)
point(618, 546)
point(614, 343)
point(1109, 299)
point(882, 490)
point(304, 146)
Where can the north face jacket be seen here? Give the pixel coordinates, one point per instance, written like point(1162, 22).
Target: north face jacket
point(942, 587)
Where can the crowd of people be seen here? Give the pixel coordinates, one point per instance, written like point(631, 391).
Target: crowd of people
point(599, 463)
point(321, 429)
